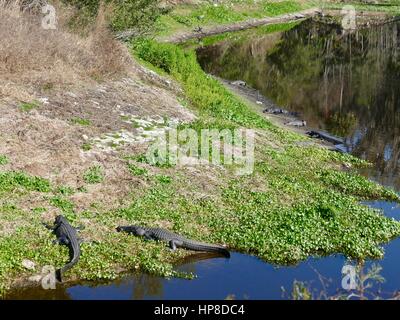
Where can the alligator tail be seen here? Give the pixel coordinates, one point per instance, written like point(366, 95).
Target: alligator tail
point(59, 275)
point(69, 265)
point(220, 250)
point(207, 248)
point(225, 252)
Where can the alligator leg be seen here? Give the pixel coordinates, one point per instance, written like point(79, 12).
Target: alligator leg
point(62, 240)
point(173, 244)
point(147, 236)
point(49, 227)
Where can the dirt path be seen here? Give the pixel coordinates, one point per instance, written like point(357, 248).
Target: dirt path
point(213, 30)
point(258, 103)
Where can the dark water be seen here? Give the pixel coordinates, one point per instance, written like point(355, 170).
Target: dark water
point(346, 84)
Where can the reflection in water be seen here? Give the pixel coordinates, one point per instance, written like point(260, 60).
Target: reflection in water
point(186, 264)
point(140, 286)
point(360, 283)
point(147, 285)
point(37, 293)
point(347, 84)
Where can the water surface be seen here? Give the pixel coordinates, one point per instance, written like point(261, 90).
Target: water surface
point(345, 83)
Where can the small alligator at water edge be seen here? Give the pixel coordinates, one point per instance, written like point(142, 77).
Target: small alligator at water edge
point(66, 235)
point(174, 240)
point(325, 136)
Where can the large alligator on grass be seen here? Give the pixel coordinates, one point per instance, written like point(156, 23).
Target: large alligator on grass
point(66, 235)
point(174, 240)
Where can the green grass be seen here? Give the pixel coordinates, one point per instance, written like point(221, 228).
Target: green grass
point(86, 146)
point(12, 180)
point(392, 9)
point(187, 17)
point(93, 175)
point(206, 94)
point(137, 171)
point(239, 35)
point(80, 121)
point(3, 160)
point(65, 190)
point(67, 207)
point(164, 179)
point(28, 106)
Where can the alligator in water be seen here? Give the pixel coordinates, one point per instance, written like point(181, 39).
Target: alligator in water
point(325, 136)
point(174, 240)
point(66, 235)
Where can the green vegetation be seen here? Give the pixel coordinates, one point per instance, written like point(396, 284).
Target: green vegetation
point(136, 171)
point(164, 178)
point(154, 161)
point(3, 160)
point(23, 236)
point(239, 36)
point(65, 190)
point(93, 175)
point(187, 17)
point(205, 93)
point(390, 7)
point(122, 14)
point(80, 121)
point(12, 181)
point(86, 146)
point(28, 106)
point(39, 210)
point(66, 206)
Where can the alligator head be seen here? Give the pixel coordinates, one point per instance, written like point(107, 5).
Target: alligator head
point(60, 219)
point(136, 230)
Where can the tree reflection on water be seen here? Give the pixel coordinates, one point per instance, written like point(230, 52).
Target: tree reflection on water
point(347, 84)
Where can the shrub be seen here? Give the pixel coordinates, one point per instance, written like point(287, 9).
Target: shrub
point(33, 55)
point(204, 92)
point(125, 14)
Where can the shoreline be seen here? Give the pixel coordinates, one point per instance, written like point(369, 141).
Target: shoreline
point(239, 26)
point(252, 96)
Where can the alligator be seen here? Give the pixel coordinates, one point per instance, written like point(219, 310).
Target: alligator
point(280, 111)
point(325, 136)
point(297, 123)
point(239, 83)
point(66, 235)
point(174, 240)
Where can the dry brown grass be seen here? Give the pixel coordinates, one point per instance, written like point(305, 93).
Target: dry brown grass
point(31, 56)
